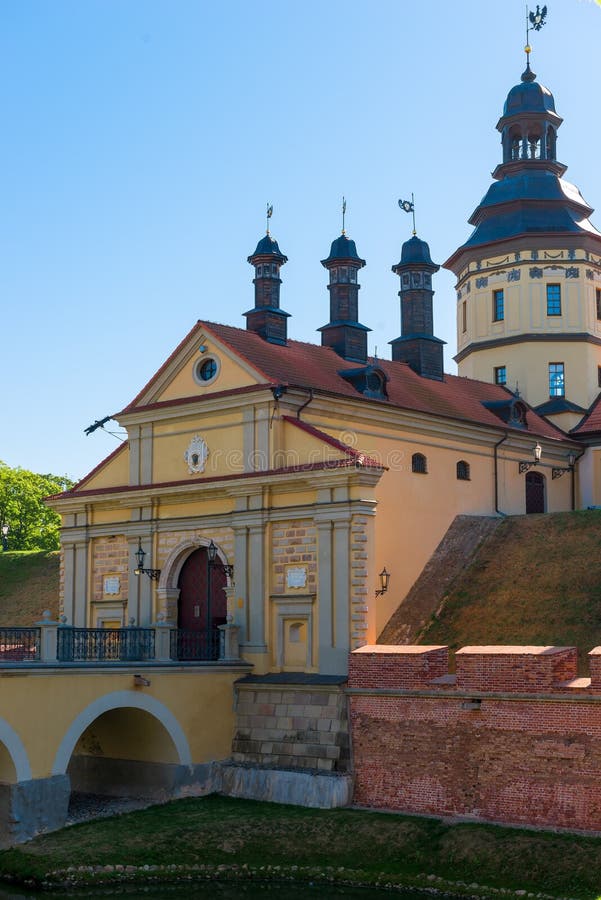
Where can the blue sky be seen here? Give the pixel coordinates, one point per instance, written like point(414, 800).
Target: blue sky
point(141, 142)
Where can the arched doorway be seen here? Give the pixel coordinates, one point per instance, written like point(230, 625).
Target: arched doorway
point(535, 492)
point(202, 604)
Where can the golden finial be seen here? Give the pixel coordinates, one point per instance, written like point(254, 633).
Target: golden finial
point(269, 215)
point(343, 213)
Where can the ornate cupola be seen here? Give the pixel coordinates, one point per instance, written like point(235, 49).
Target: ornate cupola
point(529, 275)
point(344, 333)
point(267, 319)
point(417, 345)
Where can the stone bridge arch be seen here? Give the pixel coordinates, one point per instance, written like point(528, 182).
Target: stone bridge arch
point(124, 744)
point(14, 761)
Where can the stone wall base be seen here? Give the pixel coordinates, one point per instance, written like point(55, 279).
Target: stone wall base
point(288, 721)
point(319, 790)
point(31, 807)
point(148, 780)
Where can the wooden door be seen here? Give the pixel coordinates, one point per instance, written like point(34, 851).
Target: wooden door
point(535, 492)
point(196, 611)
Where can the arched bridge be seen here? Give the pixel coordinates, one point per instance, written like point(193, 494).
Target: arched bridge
point(131, 711)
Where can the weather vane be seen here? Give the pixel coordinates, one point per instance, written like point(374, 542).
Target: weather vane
point(534, 22)
point(408, 206)
point(269, 215)
point(343, 213)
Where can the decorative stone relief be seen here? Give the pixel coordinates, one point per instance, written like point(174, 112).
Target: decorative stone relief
point(196, 455)
point(514, 275)
point(536, 272)
point(589, 274)
point(534, 254)
point(573, 272)
point(482, 282)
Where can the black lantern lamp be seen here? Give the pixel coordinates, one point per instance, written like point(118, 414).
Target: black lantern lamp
point(558, 471)
point(384, 577)
point(215, 563)
point(153, 574)
point(537, 452)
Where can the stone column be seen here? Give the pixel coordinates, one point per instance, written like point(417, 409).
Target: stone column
point(48, 638)
point(255, 642)
point(229, 643)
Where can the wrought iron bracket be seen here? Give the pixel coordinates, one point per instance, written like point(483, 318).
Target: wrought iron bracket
point(558, 471)
point(153, 574)
point(524, 466)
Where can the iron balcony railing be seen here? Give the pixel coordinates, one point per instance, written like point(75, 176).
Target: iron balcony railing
point(105, 644)
point(196, 645)
point(19, 644)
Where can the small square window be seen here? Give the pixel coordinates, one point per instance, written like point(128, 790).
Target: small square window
point(553, 299)
point(556, 380)
point(501, 375)
point(498, 306)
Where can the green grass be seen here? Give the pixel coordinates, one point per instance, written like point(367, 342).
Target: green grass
point(215, 831)
point(28, 586)
point(536, 580)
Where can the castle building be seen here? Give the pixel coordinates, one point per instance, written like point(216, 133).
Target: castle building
point(298, 490)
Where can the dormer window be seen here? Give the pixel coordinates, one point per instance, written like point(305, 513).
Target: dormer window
point(368, 380)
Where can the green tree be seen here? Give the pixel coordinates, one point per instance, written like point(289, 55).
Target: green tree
point(31, 524)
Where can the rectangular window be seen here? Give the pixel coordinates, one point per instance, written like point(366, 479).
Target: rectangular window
point(556, 380)
point(553, 299)
point(464, 317)
point(498, 306)
point(599, 376)
point(500, 374)
point(599, 303)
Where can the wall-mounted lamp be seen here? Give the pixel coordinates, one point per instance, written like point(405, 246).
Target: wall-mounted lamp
point(153, 574)
point(216, 563)
point(558, 471)
point(384, 577)
point(537, 452)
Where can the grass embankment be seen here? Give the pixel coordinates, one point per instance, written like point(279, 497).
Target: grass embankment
point(245, 837)
point(28, 586)
point(536, 580)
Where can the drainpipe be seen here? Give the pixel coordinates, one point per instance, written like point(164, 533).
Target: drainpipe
point(300, 409)
point(573, 474)
point(497, 445)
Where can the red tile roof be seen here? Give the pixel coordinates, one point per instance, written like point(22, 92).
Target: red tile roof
point(360, 458)
point(311, 366)
point(591, 423)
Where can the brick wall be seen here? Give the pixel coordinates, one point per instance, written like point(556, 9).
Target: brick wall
point(482, 745)
point(294, 543)
point(109, 557)
point(359, 575)
point(291, 726)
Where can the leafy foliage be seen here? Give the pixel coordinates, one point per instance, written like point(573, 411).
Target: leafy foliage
point(32, 525)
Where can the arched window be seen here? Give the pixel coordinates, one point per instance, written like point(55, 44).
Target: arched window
point(419, 464)
point(463, 470)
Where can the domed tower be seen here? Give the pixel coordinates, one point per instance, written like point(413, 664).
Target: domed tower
point(417, 345)
point(267, 319)
point(344, 333)
point(529, 275)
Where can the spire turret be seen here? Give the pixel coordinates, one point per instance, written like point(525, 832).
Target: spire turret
point(267, 319)
point(417, 345)
point(344, 333)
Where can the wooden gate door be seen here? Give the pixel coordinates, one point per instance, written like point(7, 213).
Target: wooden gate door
point(535, 492)
point(195, 611)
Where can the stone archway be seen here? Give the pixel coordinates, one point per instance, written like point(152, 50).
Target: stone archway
point(168, 590)
point(121, 700)
point(125, 745)
point(14, 761)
